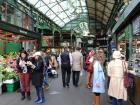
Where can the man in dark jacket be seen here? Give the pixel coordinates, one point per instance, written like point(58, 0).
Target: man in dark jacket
point(65, 60)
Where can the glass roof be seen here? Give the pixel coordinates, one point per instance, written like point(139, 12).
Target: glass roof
point(100, 9)
point(60, 11)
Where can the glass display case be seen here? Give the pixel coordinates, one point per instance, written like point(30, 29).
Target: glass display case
point(134, 62)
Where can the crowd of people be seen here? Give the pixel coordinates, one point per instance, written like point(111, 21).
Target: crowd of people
point(39, 65)
point(35, 67)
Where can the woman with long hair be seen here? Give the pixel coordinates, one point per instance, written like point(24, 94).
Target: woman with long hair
point(37, 77)
point(98, 78)
point(89, 68)
point(24, 74)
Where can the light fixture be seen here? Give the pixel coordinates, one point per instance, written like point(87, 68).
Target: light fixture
point(109, 35)
point(90, 41)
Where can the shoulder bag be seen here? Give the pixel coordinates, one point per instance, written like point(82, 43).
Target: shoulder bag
point(125, 76)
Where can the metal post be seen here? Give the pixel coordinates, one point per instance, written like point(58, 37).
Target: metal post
point(130, 37)
point(71, 37)
point(60, 39)
point(53, 38)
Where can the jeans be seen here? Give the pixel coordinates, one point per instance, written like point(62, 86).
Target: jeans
point(66, 73)
point(46, 78)
point(24, 82)
point(75, 76)
point(40, 92)
point(116, 101)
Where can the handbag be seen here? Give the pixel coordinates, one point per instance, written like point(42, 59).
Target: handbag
point(90, 67)
point(125, 76)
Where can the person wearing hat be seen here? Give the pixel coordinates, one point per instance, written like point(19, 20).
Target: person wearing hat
point(37, 77)
point(116, 70)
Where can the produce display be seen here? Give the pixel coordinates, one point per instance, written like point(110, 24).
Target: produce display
point(7, 74)
point(8, 67)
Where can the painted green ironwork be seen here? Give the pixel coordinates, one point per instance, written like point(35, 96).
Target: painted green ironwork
point(41, 19)
point(127, 13)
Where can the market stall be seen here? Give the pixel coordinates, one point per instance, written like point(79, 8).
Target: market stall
point(9, 81)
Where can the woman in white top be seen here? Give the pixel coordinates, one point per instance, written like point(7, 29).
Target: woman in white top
point(98, 78)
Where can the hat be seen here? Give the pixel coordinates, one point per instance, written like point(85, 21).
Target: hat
point(37, 54)
point(117, 54)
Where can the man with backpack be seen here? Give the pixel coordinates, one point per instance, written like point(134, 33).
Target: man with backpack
point(65, 62)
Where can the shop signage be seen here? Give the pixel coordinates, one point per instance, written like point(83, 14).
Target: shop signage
point(23, 32)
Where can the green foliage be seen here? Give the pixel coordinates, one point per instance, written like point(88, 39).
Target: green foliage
point(7, 73)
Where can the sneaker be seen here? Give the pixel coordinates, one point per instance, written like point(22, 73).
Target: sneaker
point(29, 98)
point(23, 97)
point(36, 99)
point(68, 85)
point(40, 101)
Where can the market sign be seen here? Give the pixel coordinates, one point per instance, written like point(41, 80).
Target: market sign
point(18, 30)
point(23, 32)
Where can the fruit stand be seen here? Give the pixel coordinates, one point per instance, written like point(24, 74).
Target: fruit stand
point(8, 74)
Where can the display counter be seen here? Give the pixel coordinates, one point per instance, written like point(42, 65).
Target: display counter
point(134, 91)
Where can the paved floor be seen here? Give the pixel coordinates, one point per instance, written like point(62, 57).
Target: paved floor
point(57, 95)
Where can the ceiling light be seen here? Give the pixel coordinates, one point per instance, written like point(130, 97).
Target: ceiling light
point(109, 35)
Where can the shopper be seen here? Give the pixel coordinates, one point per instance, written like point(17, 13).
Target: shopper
point(116, 90)
point(37, 77)
point(65, 61)
point(53, 62)
point(98, 78)
point(77, 65)
point(46, 65)
point(89, 68)
point(24, 74)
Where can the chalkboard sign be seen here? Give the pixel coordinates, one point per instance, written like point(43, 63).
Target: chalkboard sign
point(136, 25)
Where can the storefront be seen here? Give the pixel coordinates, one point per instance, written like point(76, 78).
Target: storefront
point(13, 38)
point(134, 62)
point(127, 30)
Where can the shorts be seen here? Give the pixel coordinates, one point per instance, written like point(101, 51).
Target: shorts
point(97, 94)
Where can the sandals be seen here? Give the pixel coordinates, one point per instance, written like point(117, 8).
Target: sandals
point(89, 86)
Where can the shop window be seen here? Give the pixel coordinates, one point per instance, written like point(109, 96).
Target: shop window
point(3, 11)
point(136, 25)
point(27, 22)
point(18, 20)
point(135, 59)
point(10, 14)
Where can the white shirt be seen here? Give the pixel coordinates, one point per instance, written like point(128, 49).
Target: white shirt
point(70, 56)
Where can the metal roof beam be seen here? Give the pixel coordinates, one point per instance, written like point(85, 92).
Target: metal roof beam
point(53, 12)
point(104, 5)
point(36, 3)
point(95, 15)
point(63, 9)
point(104, 12)
point(88, 15)
point(53, 6)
